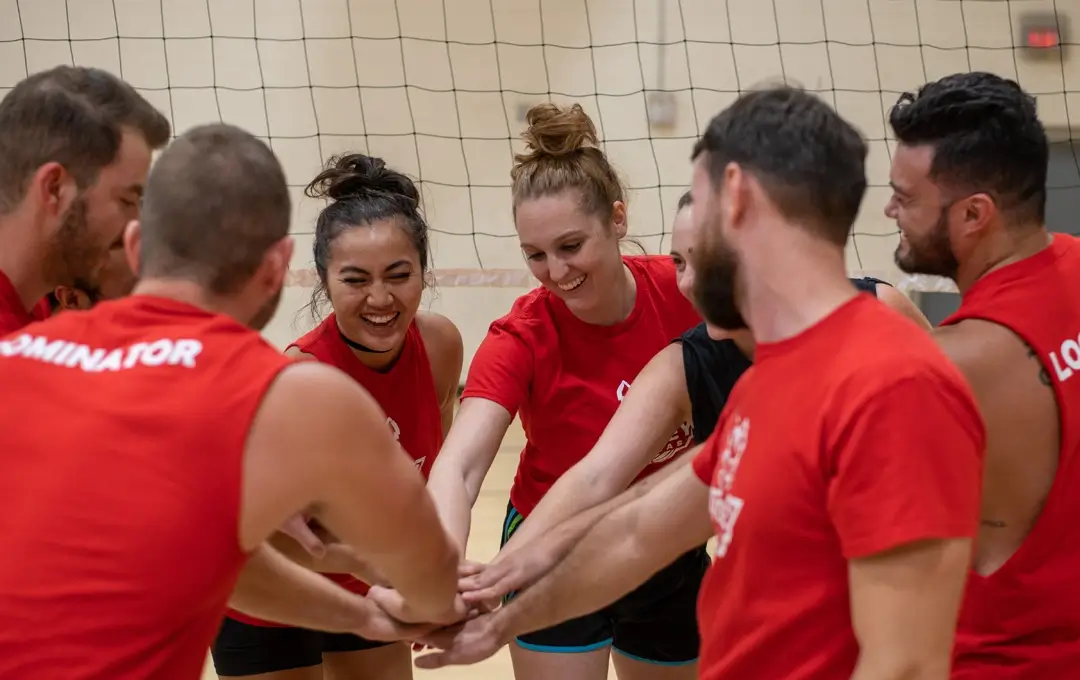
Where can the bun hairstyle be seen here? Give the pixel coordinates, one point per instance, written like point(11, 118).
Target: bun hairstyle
point(362, 190)
point(563, 153)
point(357, 176)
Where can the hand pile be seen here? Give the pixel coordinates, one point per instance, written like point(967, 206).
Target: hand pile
point(473, 629)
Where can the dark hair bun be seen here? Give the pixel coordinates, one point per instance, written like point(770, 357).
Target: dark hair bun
point(357, 176)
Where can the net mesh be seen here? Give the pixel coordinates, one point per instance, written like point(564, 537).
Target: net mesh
point(439, 87)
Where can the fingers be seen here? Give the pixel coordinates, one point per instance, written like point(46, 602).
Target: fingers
point(485, 600)
point(470, 568)
point(441, 638)
point(298, 529)
point(491, 585)
point(434, 660)
point(391, 602)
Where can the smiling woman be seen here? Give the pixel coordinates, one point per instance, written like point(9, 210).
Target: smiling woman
point(371, 256)
point(564, 357)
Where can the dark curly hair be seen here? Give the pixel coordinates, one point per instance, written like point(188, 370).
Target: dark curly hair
point(986, 137)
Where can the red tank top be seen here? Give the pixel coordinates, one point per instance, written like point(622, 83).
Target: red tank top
point(13, 315)
point(120, 487)
point(1023, 621)
point(566, 377)
point(406, 394)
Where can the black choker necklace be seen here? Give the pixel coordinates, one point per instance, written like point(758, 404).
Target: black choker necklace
point(362, 348)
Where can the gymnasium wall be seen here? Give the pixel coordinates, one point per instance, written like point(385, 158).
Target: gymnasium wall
point(439, 87)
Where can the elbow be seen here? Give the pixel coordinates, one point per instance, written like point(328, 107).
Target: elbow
point(443, 591)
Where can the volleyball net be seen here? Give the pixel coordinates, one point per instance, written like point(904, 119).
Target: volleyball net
point(439, 88)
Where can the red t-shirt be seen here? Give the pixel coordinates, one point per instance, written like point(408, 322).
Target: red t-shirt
point(851, 438)
point(1023, 621)
point(13, 315)
point(566, 377)
point(407, 395)
point(120, 483)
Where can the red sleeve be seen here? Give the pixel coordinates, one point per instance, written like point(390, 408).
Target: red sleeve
point(705, 461)
point(907, 466)
point(501, 370)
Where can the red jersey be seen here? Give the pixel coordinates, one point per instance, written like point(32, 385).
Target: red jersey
point(120, 487)
point(566, 377)
point(13, 314)
point(856, 436)
point(42, 310)
point(407, 395)
point(1023, 621)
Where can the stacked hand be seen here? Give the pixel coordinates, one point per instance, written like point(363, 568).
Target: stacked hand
point(333, 556)
point(471, 630)
point(480, 629)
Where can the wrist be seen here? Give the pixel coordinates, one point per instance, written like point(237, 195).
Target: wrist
point(507, 624)
point(356, 613)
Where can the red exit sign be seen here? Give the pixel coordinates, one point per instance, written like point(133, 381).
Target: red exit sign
point(1042, 30)
point(1043, 37)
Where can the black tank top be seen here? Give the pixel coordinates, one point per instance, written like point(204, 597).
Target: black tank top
point(713, 366)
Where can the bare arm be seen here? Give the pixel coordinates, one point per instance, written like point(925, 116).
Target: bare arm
point(446, 354)
point(464, 461)
point(1016, 398)
point(518, 569)
point(652, 409)
point(621, 551)
point(274, 588)
point(902, 304)
point(303, 452)
point(335, 558)
point(904, 606)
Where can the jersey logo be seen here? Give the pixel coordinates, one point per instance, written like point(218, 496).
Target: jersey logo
point(1069, 361)
point(680, 441)
point(420, 462)
point(724, 507)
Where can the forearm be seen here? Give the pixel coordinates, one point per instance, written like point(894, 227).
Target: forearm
point(337, 559)
point(565, 512)
point(453, 504)
point(560, 538)
point(288, 547)
point(274, 588)
point(584, 580)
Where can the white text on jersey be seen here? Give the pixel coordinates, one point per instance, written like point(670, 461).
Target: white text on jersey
point(1068, 362)
point(164, 352)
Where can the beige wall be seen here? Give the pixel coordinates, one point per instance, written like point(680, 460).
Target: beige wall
point(442, 102)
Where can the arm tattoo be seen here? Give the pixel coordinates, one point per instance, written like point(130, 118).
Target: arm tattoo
point(1044, 375)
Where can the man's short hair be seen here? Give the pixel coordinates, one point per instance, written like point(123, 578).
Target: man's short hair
point(986, 136)
point(810, 161)
point(215, 202)
point(73, 116)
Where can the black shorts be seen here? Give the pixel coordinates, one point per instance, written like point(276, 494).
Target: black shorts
point(243, 649)
point(657, 623)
